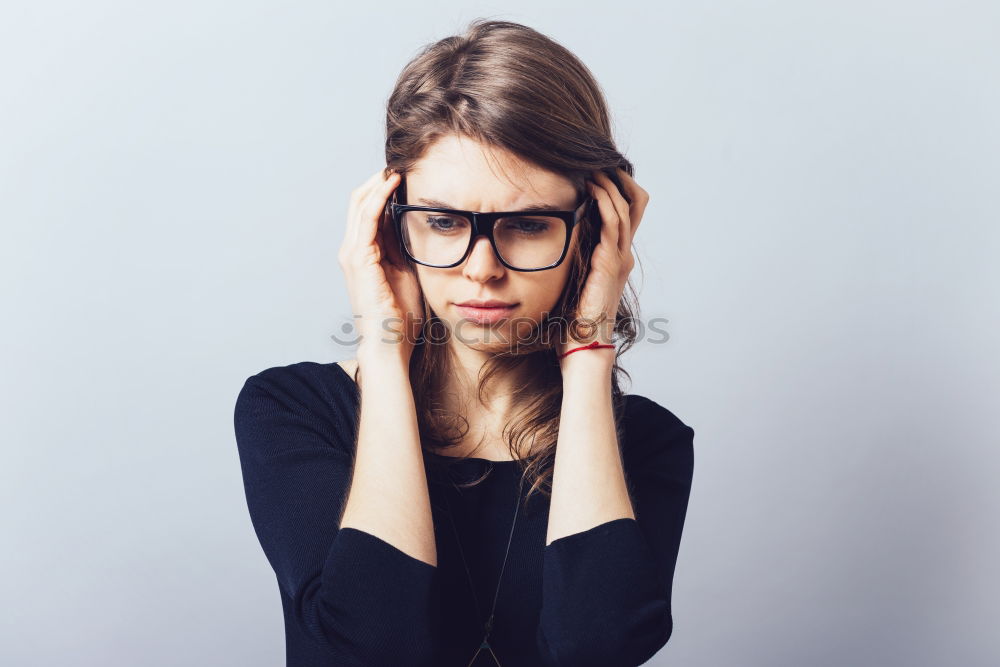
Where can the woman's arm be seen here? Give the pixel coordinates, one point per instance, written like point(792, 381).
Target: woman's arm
point(588, 481)
point(366, 595)
point(589, 486)
point(608, 566)
point(389, 497)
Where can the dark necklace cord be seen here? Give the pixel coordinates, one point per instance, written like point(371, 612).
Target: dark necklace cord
point(488, 626)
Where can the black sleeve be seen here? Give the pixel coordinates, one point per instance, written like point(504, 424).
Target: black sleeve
point(351, 591)
point(606, 591)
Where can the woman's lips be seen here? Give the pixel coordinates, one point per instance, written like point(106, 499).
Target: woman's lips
point(485, 315)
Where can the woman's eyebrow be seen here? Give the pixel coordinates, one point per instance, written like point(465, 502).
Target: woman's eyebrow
point(530, 207)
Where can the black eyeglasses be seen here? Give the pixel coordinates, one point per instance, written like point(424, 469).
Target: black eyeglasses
point(532, 240)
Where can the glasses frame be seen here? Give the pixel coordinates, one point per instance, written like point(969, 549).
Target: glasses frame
point(482, 225)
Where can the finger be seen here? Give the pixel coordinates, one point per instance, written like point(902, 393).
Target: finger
point(358, 194)
point(609, 215)
point(355, 226)
point(372, 210)
point(624, 237)
point(639, 197)
point(628, 183)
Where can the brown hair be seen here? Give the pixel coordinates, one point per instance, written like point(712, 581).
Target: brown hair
point(508, 86)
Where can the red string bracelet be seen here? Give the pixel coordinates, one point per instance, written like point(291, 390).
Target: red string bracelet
point(591, 346)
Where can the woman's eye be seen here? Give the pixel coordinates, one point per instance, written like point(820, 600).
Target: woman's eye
point(444, 224)
point(527, 227)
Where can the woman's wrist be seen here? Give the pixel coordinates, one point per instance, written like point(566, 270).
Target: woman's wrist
point(579, 347)
point(594, 346)
point(383, 353)
point(598, 360)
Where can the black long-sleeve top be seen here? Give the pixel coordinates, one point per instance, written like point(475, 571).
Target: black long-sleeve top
point(599, 597)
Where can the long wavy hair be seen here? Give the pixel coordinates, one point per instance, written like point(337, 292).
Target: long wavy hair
point(508, 86)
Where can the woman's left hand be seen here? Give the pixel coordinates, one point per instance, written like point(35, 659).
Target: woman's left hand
point(612, 260)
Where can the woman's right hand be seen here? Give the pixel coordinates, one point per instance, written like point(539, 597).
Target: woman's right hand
point(385, 295)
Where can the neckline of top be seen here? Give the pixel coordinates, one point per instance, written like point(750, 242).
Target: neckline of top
point(476, 459)
point(455, 459)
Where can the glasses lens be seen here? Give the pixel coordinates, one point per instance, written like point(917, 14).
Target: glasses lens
point(435, 238)
point(530, 242)
point(524, 242)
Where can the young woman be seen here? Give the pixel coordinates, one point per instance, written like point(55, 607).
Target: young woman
point(475, 487)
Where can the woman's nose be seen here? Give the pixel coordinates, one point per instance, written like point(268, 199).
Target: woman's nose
point(482, 262)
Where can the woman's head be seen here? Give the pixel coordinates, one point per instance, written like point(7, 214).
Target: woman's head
point(498, 116)
point(460, 173)
point(500, 97)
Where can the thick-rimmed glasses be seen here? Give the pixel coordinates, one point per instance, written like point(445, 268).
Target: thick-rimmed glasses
point(531, 240)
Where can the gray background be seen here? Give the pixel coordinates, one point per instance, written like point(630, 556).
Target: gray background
point(822, 237)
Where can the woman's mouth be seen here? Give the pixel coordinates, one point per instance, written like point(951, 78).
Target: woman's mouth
point(485, 314)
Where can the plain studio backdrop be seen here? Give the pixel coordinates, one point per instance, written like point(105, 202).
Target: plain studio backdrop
point(821, 239)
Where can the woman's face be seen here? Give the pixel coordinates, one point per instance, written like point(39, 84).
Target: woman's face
point(459, 172)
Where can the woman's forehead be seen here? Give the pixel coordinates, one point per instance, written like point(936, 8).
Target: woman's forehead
point(470, 175)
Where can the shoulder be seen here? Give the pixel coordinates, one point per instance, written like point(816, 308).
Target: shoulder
point(299, 397)
point(644, 415)
point(654, 435)
point(305, 380)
